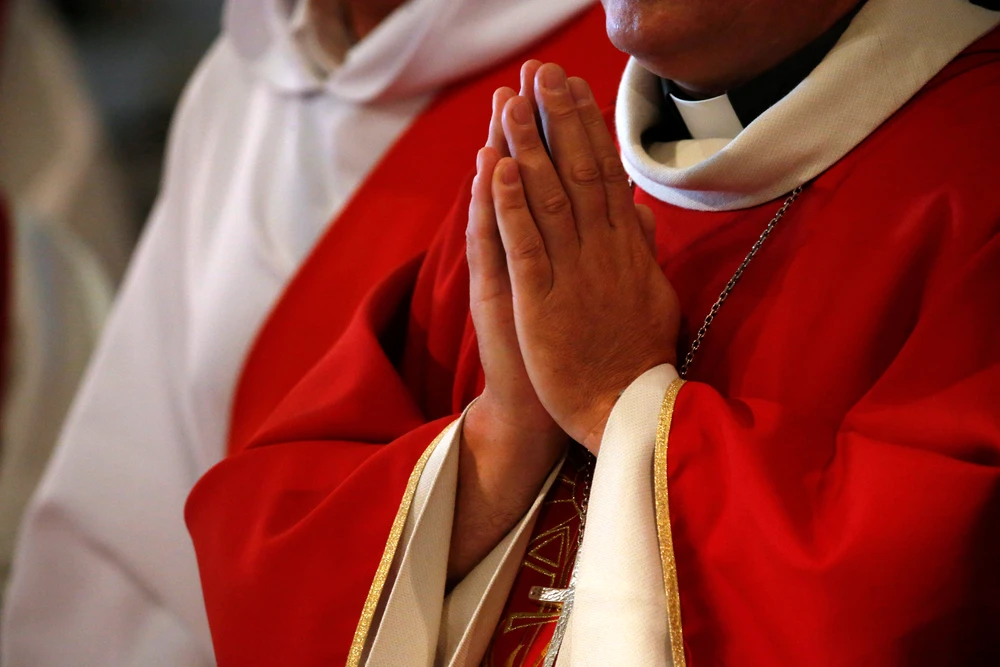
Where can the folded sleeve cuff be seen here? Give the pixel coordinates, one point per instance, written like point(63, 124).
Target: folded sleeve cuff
point(412, 621)
point(626, 601)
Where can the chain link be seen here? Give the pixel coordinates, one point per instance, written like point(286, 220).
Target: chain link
point(696, 343)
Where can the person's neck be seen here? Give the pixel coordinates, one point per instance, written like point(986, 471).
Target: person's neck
point(747, 101)
point(363, 16)
point(749, 66)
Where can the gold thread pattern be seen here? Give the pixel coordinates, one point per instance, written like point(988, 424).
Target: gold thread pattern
point(519, 639)
point(663, 528)
point(382, 573)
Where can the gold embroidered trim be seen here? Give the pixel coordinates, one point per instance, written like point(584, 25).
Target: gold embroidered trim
point(663, 523)
point(375, 592)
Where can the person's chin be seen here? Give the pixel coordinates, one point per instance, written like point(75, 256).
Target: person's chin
point(649, 29)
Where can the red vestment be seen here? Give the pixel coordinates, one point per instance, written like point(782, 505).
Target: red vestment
point(394, 216)
point(834, 460)
point(389, 224)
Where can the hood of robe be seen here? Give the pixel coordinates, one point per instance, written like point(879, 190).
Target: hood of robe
point(422, 46)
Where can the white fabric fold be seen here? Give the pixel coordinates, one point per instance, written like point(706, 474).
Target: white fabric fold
point(422, 46)
point(59, 296)
point(420, 626)
point(620, 613)
point(891, 49)
point(262, 155)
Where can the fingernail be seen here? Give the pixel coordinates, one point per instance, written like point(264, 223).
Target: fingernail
point(580, 90)
point(554, 79)
point(522, 112)
point(510, 174)
point(480, 158)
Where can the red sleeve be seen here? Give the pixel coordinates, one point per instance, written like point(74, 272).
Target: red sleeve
point(871, 540)
point(291, 532)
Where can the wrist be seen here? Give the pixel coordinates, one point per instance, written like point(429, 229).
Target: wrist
point(598, 411)
point(596, 420)
point(502, 467)
point(509, 440)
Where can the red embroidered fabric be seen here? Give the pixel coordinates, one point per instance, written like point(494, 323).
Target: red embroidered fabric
point(525, 629)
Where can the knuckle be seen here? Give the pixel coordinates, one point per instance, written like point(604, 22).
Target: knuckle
point(613, 169)
point(528, 142)
point(527, 248)
point(554, 203)
point(561, 113)
point(584, 171)
point(511, 202)
point(473, 235)
point(592, 118)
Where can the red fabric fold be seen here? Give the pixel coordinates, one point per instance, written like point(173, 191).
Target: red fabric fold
point(394, 216)
point(834, 464)
point(366, 359)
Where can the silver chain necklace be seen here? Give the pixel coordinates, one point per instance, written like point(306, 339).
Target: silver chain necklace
point(700, 337)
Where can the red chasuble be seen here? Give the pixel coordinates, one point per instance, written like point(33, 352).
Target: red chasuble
point(274, 594)
point(394, 216)
point(833, 462)
point(526, 627)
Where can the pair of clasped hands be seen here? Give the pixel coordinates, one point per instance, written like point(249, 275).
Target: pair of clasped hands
point(568, 302)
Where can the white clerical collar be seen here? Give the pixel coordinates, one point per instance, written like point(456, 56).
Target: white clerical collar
point(714, 118)
point(725, 116)
point(887, 54)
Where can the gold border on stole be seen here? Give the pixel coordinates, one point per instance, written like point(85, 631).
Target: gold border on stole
point(382, 573)
point(663, 528)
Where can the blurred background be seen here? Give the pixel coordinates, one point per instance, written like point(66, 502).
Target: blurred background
point(134, 58)
point(87, 91)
